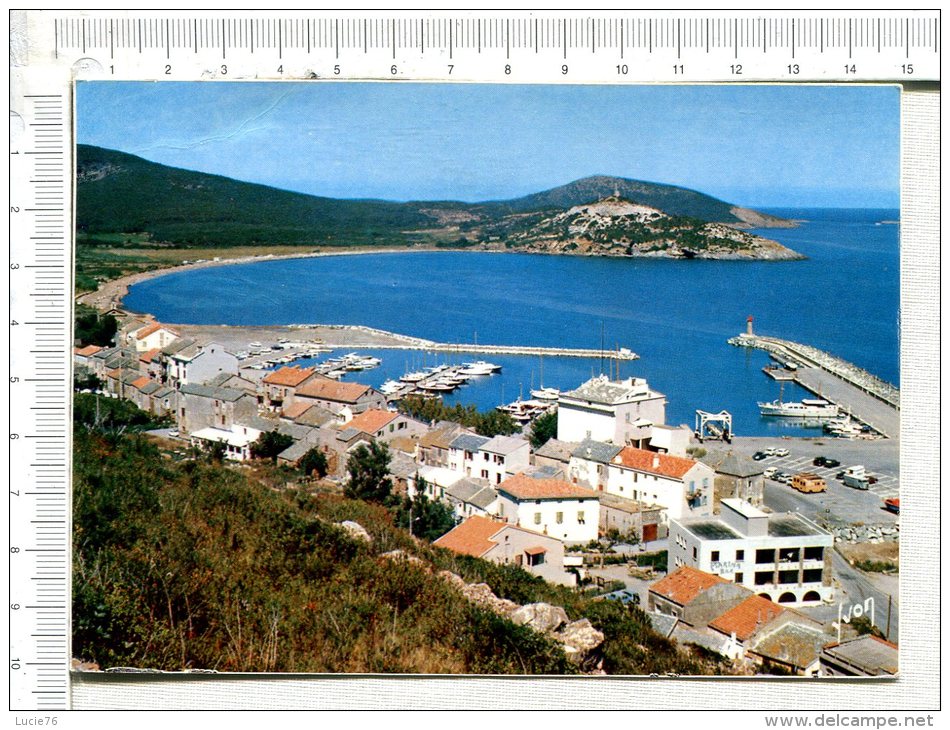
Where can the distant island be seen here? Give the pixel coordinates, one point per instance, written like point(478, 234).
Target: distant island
point(128, 206)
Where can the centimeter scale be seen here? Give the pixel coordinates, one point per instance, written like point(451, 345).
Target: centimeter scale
point(51, 49)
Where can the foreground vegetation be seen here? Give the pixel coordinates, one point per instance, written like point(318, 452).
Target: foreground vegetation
point(195, 564)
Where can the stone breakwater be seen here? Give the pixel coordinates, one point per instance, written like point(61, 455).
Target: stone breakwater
point(858, 377)
point(874, 534)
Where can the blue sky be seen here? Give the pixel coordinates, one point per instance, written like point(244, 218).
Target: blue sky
point(756, 145)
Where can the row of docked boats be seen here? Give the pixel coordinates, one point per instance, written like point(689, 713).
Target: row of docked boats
point(438, 380)
point(525, 411)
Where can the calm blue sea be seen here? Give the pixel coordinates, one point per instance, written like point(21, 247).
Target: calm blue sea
point(676, 315)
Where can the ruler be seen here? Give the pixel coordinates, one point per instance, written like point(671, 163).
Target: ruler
point(51, 49)
point(520, 47)
point(39, 389)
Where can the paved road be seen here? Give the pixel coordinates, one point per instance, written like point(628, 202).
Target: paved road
point(864, 407)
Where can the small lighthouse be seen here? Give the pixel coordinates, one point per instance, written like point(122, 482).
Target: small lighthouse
point(748, 326)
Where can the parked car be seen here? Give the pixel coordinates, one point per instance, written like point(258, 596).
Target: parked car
point(759, 455)
point(770, 472)
point(819, 461)
point(893, 505)
point(832, 463)
point(624, 595)
point(781, 452)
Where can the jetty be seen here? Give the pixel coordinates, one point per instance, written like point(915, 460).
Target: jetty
point(383, 340)
point(866, 397)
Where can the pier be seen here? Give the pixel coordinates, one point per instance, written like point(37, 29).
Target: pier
point(383, 340)
point(864, 396)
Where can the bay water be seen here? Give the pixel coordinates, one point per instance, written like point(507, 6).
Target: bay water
point(675, 314)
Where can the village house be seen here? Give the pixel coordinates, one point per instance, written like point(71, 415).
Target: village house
point(152, 336)
point(783, 557)
point(682, 486)
point(279, 386)
point(588, 464)
point(466, 495)
point(197, 364)
point(792, 647)
point(629, 518)
point(340, 397)
point(81, 355)
point(550, 506)
point(620, 412)
point(386, 425)
point(670, 439)
point(507, 544)
point(694, 596)
point(112, 358)
point(737, 476)
point(462, 453)
point(557, 454)
point(435, 443)
point(203, 406)
point(864, 656)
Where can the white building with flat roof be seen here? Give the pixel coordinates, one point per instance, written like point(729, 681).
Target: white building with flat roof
point(618, 411)
point(783, 557)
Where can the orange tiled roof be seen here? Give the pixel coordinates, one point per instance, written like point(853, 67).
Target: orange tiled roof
point(141, 334)
point(524, 487)
point(654, 463)
point(140, 382)
point(745, 618)
point(472, 537)
point(296, 409)
point(372, 420)
point(87, 350)
point(149, 354)
point(684, 584)
point(327, 389)
point(289, 376)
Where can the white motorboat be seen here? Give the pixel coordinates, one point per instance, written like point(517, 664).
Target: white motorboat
point(805, 408)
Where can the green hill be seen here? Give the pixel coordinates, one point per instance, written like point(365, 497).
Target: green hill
point(119, 193)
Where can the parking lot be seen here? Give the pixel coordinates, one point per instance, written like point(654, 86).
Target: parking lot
point(839, 503)
point(885, 487)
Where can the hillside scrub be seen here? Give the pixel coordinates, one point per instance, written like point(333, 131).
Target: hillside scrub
point(200, 565)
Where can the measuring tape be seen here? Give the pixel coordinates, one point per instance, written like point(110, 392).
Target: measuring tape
point(50, 49)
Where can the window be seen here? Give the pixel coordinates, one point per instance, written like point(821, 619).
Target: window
point(536, 559)
point(788, 554)
point(694, 552)
point(537, 518)
point(788, 576)
point(763, 577)
point(812, 575)
point(715, 556)
point(484, 473)
point(740, 554)
point(766, 555)
point(559, 518)
point(580, 518)
point(814, 553)
point(738, 578)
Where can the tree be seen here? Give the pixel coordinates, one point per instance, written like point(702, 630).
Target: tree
point(543, 429)
point(368, 468)
point(314, 461)
point(95, 329)
point(269, 444)
point(423, 517)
